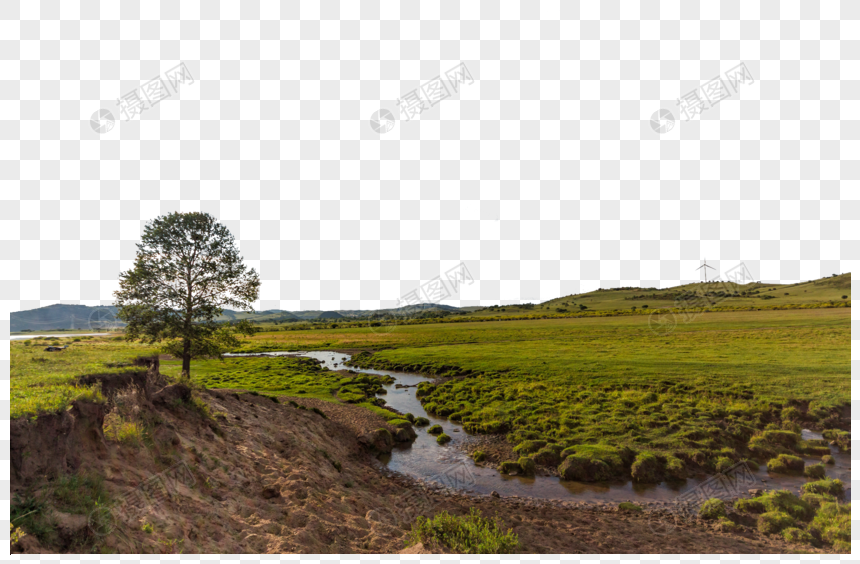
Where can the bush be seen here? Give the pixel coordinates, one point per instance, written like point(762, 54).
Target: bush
point(627, 506)
point(827, 486)
point(814, 471)
point(833, 524)
point(527, 466)
point(712, 509)
point(470, 534)
point(435, 430)
point(793, 534)
point(647, 469)
point(786, 464)
point(509, 466)
point(479, 456)
point(421, 421)
point(774, 522)
point(443, 438)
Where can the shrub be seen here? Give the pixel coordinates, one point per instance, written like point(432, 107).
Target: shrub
point(647, 468)
point(712, 509)
point(833, 524)
point(442, 439)
point(828, 459)
point(774, 522)
point(435, 430)
point(793, 534)
point(814, 471)
point(527, 466)
point(469, 534)
point(627, 506)
point(509, 466)
point(786, 464)
point(421, 421)
point(826, 486)
point(479, 456)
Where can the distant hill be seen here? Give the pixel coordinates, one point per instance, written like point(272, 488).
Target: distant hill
point(831, 288)
point(330, 315)
point(64, 316)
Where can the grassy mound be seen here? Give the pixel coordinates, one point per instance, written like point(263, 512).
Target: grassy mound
point(469, 534)
point(830, 487)
point(774, 522)
point(713, 509)
point(593, 463)
point(443, 438)
point(786, 464)
point(435, 430)
point(647, 468)
point(527, 466)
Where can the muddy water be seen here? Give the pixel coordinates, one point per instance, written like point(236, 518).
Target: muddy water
point(448, 465)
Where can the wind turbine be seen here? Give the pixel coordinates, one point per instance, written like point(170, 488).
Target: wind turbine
point(705, 266)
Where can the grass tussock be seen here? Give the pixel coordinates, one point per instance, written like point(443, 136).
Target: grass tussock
point(468, 534)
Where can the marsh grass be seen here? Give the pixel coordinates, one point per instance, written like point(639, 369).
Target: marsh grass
point(469, 534)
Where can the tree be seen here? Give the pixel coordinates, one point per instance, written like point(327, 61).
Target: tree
point(186, 269)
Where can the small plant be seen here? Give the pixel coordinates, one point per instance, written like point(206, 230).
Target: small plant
point(338, 466)
point(469, 534)
point(15, 534)
point(713, 509)
point(435, 430)
point(628, 506)
point(479, 456)
point(147, 528)
point(348, 484)
point(442, 439)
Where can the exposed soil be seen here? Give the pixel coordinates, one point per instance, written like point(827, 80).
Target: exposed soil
point(271, 478)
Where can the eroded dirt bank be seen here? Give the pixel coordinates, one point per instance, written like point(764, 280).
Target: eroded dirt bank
point(267, 477)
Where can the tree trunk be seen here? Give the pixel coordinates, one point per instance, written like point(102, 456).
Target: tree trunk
point(186, 358)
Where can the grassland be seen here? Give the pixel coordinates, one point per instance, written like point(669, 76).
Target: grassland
point(699, 397)
point(47, 381)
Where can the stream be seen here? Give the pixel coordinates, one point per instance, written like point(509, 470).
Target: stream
point(450, 466)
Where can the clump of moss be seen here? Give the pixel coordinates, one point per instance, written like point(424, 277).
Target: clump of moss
point(774, 521)
point(550, 455)
point(723, 464)
point(435, 430)
point(628, 506)
point(786, 464)
point(527, 466)
point(529, 447)
point(509, 466)
point(816, 500)
point(442, 439)
point(786, 502)
point(647, 468)
point(592, 463)
point(815, 471)
point(827, 486)
point(479, 456)
point(675, 468)
point(750, 505)
point(421, 421)
point(793, 534)
point(726, 525)
point(399, 423)
point(833, 524)
point(713, 509)
point(751, 464)
point(409, 417)
point(828, 459)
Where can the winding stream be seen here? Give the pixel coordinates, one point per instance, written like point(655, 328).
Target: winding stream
point(450, 466)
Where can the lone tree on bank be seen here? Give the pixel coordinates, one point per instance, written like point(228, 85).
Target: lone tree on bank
point(186, 269)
